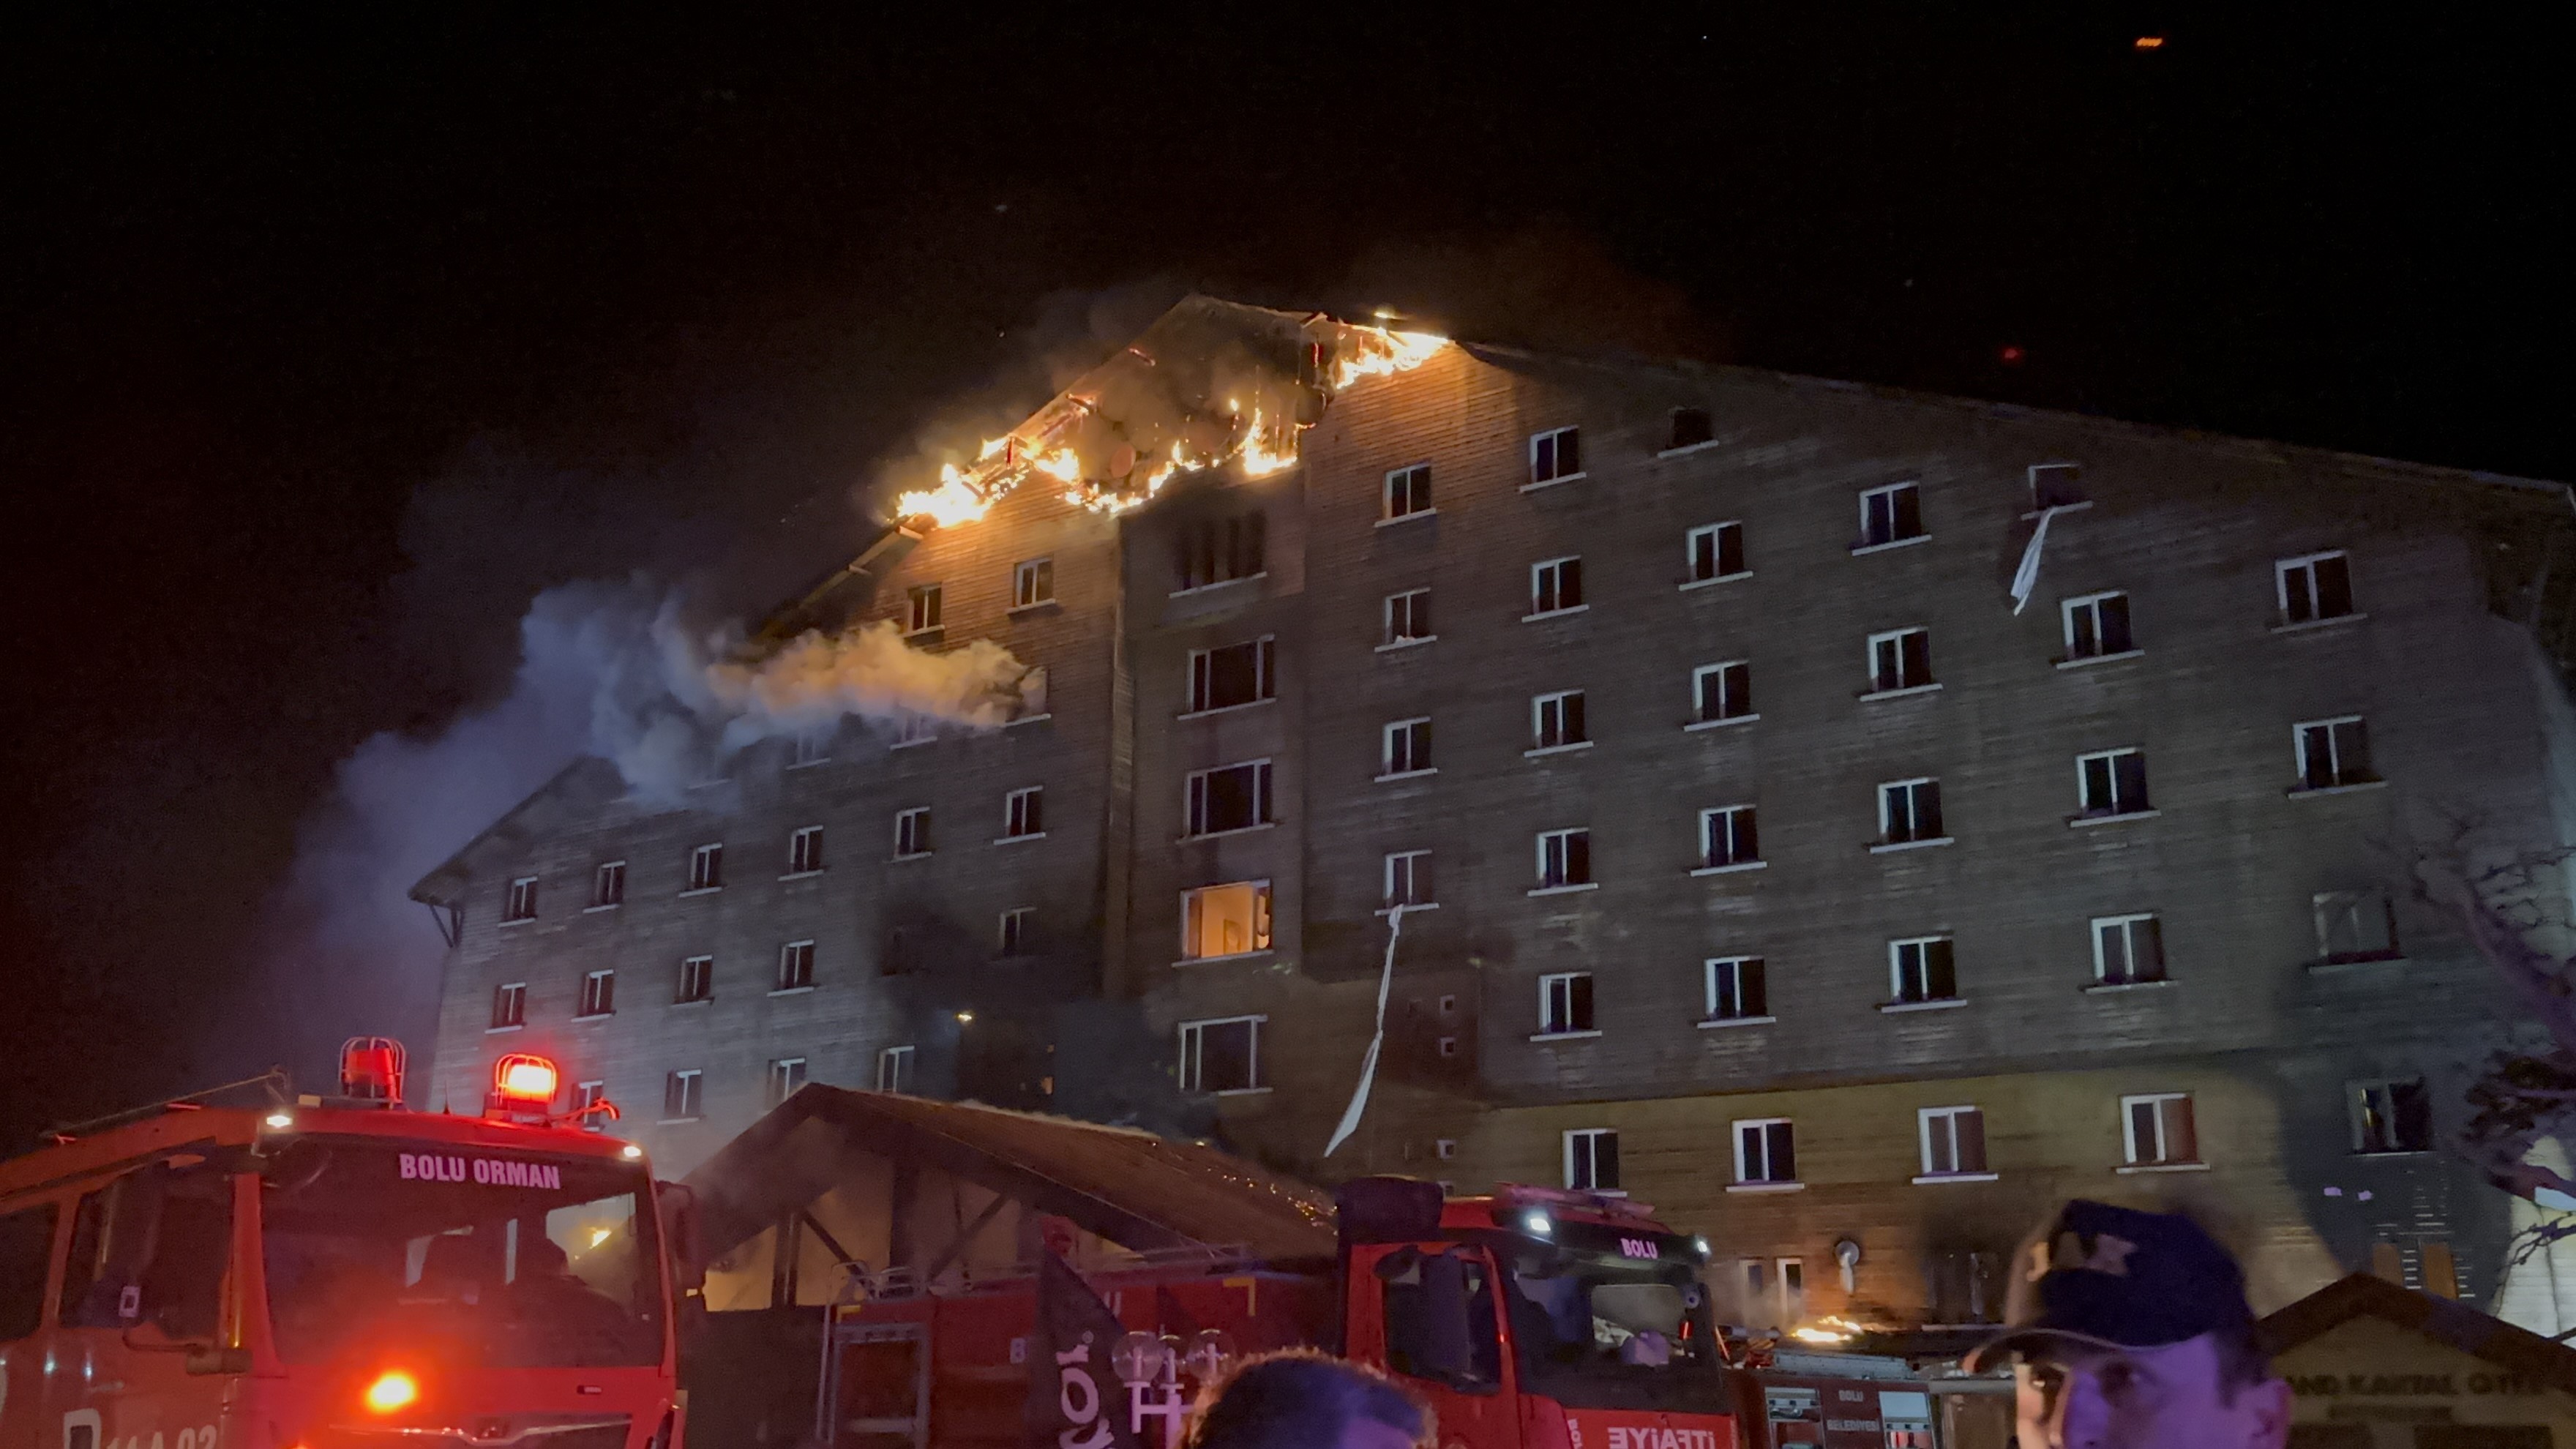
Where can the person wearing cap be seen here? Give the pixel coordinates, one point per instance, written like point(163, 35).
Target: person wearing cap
point(2130, 1330)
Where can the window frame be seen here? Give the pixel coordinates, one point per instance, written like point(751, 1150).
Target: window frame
point(684, 1095)
point(1416, 480)
point(706, 869)
point(2358, 1108)
point(1575, 989)
point(2072, 472)
point(2145, 804)
point(806, 749)
point(1023, 809)
point(2306, 565)
point(1870, 543)
point(1033, 582)
point(1701, 674)
point(1897, 999)
point(1744, 1180)
point(910, 842)
point(901, 1059)
point(2352, 902)
point(1959, 1170)
point(1015, 932)
point(2131, 1161)
point(607, 885)
point(590, 1094)
point(1565, 836)
point(1265, 926)
point(2090, 606)
point(515, 993)
point(1192, 1069)
point(2340, 778)
point(598, 995)
point(1414, 737)
point(1713, 968)
point(1916, 789)
point(1265, 674)
point(1591, 1138)
point(1719, 573)
point(787, 1077)
point(1194, 799)
point(1557, 472)
point(1556, 571)
point(1416, 865)
point(1904, 683)
point(795, 967)
point(699, 970)
point(1414, 615)
point(2127, 925)
point(1743, 838)
point(805, 851)
point(924, 609)
point(519, 904)
point(1572, 730)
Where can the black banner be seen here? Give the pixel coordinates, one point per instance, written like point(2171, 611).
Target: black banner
point(1075, 1401)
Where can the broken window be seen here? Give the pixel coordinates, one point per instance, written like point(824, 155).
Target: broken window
point(1690, 428)
point(1766, 1150)
point(1900, 659)
point(2112, 782)
point(1722, 692)
point(1890, 515)
point(922, 609)
point(1556, 586)
point(1592, 1160)
point(1237, 674)
point(2356, 925)
point(1564, 1003)
point(1225, 920)
point(1564, 859)
point(1408, 617)
point(1219, 550)
point(1556, 720)
point(1736, 990)
point(1556, 455)
point(2128, 950)
point(1407, 749)
point(1922, 969)
point(1953, 1140)
point(1727, 838)
point(1408, 491)
point(1714, 552)
point(2314, 587)
point(1221, 1056)
point(2157, 1129)
point(2333, 752)
point(1233, 797)
point(1909, 811)
point(2391, 1116)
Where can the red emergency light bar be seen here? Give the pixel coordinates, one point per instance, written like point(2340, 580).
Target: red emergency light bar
point(524, 1082)
point(371, 1069)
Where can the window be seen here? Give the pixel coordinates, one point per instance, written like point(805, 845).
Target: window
point(2391, 1116)
point(1727, 838)
point(2355, 926)
point(2127, 950)
point(1024, 813)
point(1030, 696)
point(805, 851)
point(894, 1069)
point(706, 868)
point(1736, 989)
point(1019, 930)
point(795, 966)
point(1408, 618)
point(608, 885)
point(806, 750)
point(2157, 1131)
point(1225, 920)
point(1953, 1141)
point(1690, 428)
point(2333, 752)
point(26, 1255)
point(1556, 586)
point(1219, 550)
point(509, 1005)
point(1765, 1151)
point(1721, 692)
point(1565, 1003)
point(598, 994)
point(2056, 485)
point(1237, 674)
point(1900, 659)
point(914, 729)
point(2097, 626)
point(1409, 880)
point(1564, 859)
point(922, 608)
point(1922, 969)
point(1793, 1289)
point(2314, 587)
point(522, 902)
point(1715, 552)
point(1556, 455)
point(1032, 583)
point(1556, 721)
point(175, 1262)
point(697, 979)
point(1232, 797)
point(1890, 515)
point(1221, 1056)
point(682, 1097)
point(1440, 1327)
point(786, 1077)
point(2113, 782)
point(1592, 1159)
point(912, 832)
point(1406, 748)
point(1408, 491)
point(586, 1097)
point(1909, 812)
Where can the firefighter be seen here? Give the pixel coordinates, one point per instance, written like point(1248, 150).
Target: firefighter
point(2130, 1330)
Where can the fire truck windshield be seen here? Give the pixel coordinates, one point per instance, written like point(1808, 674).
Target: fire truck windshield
point(483, 1256)
point(1605, 1332)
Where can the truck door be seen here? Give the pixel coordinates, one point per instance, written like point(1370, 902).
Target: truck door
point(26, 1257)
point(1443, 1332)
point(143, 1280)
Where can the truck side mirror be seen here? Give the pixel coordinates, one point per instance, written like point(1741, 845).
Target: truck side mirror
point(682, 1236)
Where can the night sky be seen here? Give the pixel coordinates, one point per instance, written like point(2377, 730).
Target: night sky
point(337, 337)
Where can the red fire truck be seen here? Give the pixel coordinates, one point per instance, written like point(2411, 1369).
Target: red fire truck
point(335, 1273)
point(1530, 1319)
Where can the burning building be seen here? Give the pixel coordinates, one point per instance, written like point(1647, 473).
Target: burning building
point(1850, 820)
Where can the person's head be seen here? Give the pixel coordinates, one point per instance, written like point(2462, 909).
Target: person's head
point(2130, 1330)
point(1300, 1399)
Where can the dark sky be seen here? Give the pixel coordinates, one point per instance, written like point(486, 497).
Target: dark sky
point(336, 337)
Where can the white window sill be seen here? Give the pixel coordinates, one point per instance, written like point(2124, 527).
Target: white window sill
point(2386, 1152)
point(1415, 642)
point(517, 921)
point(1900, 693)
point(1552, 482)
point(1033, 606)
point(807, 764)
point(933, 632)
point(593, 1015)
point(1929, 1178)
point(912, 855)
point(678, 1121)
point(2357, 963)
point(1406, 775)
point(2306, 625)
point(2136, 1168)
point(1220, 584)
point(1222, 960)
point(2078, 506)
point(1227, 708)
point(1222, 834)
point(696, 1001)
point(1564, 749)
point(1029, 718)
point(1719, 724)
point(1766, 1187)
point(700, 891)
point(595, 910)
point(1019, 839)
point(1240, 1092)
point(1564, 890)
point(1555, 613)
point(1689, 584)
point(2309, 792)
point(1409, 908)
point(1946, 1003)
point(1721, 1023)
point(1563, 1035)
point(1408, 517)
point(1861, 548)
point(790, 990)
point(800, 875)
point(1686, 449)
point(929, 739)
point(2078, 822)
point(2100, 988)
point(1741, 865)
point(504, 1030)
point(1890, 847)
point(2087, 661)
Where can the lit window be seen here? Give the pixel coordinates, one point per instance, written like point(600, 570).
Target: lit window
point(1953, 1141)
point(1024, 813)
point(509, 1006)
point(2157, 1130)
point(598, 994)
point(1564, 859)
point(1714, 552)
point(2128, 950)
point(1721, 692)
point(2393, 1115)
point(795, 966)
point(922, 608)
point(1592, 1159)
point(1032, 583)
point(786, 1078)
point(522, 902)
point(2097, 626)
point(1237, 674)
point(1922, 969)
point(1408, 879)
point(912, 832)
point(697, 979)
point(608, 885)
point(1221, 1056)
point(2332, 753)
point(1225, 920)
point(1556, 455)
point(2111, 782)
point(1019, 931)
point(682, 1099)
point(1408, 491)
point(805, 851)
point(1900, 659)
point(1556, 586)
point(1727, 838)
point(1231, 797)
point(1405, 749)
point(1890, 515)
point(2314, 587)
point(894, 1069)
point(706, 868)
point(1736, 989)
point(1766, 1150)
point(1556, 721)
point(1909, 812)
point(1408, 618)
point(1565, 1003)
